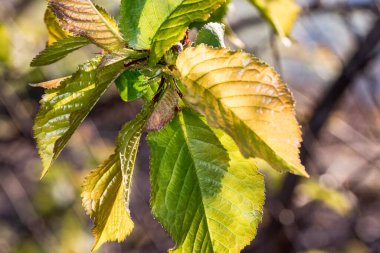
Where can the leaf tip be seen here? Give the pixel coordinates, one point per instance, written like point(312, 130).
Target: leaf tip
point(44, 172)
point(301, 171)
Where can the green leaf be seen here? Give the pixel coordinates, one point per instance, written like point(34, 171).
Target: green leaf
point(281, 14)
point(55, 32)
point(151, 90)
point(211, 34)
point(205, 203)
point(83, 18)
point(59, 50)
point(247, 99)
point(158, 25)
point(127, 145)
point(64, 108)
point(216, 17)
point(132, 85)
point(103, 200)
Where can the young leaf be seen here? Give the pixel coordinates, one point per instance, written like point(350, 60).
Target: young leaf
point(59, 50)
point(127, 145)
point(247, 99)
point(158, 25)
point(163, 113)
point(131, 85)
point(205, 203)
point(103, 200)
point(211, 34)
point(281, 14)
point(64, 108)
point(55, 32)
point(83, 18)
point(106, 190)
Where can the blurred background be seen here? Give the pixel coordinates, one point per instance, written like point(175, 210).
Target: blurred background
point(332, 68)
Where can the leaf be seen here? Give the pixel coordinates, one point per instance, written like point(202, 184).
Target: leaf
point(106, 190)
point(59, 50)
point(5, 44)
point(310, 190)
point(164, 111)
point(247, 99)
point(131, 85)
point(55, 32)
point(127, 146)
point(151, 90)
point(83, 18)
point(127, 54)
point(158, 25)
point(64, 108)
point(281, 14)
point(205, 203)
point(50, 84)
point(211, 34)
point(103, 200)
point(216, 17)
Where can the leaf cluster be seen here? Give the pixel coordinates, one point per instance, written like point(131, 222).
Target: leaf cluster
point(209, 112)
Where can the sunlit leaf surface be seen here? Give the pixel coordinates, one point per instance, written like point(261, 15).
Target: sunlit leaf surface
point(103, 200)
point(106, 190)
point(83, 18)
point(49, 84)
point(281, 14)
point(64, 108)
point(158, 25)
point(55, 31)
point(246, 98)
point(208, 197)
point(59, 50)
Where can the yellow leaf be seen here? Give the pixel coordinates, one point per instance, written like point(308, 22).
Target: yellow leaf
point(281, 14)
point(106, 190)
point(55, 32)
point(247, 99)
point(103, 200)
point(335, 199)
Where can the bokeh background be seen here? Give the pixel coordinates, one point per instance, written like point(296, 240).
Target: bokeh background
point(333, 70)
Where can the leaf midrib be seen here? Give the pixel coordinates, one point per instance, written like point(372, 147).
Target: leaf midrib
point(184, 131)
point(207, 91)
point(166, 19)
point(114, 32)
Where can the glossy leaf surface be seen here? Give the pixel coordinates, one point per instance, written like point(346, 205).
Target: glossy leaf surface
point(64, 108)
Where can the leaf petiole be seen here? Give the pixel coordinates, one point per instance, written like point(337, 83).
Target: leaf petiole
point(134, 62)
